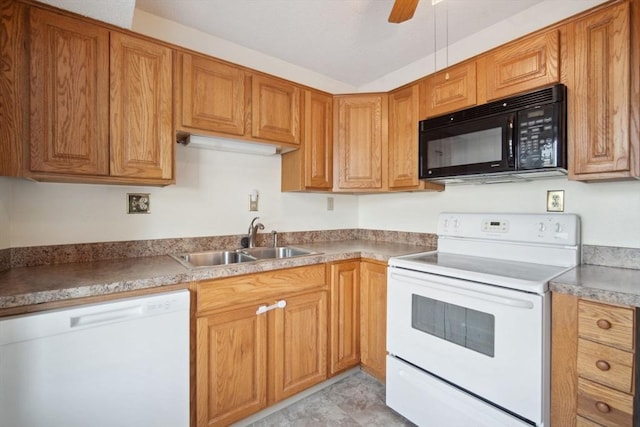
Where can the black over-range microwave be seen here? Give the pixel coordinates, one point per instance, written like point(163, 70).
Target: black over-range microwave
point(521, 137)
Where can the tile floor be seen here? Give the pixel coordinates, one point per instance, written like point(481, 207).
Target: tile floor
point(357, 400)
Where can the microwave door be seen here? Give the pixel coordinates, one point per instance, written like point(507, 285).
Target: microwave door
point(474, 147)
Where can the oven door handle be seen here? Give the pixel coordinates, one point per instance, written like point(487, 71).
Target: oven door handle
point(458, 290)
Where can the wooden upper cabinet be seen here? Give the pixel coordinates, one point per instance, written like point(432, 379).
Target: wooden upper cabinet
point(403, 137)
point(142, 136)
point(311, 167)
point(318, 140)
point(451, 89)
point(523, 65)
point(275, 109)
point(211, 95)
point(360, 127)
point(602, 144)
point(69, 95)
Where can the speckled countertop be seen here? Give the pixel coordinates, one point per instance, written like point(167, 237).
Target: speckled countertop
point(25, 286)
point(606, 284)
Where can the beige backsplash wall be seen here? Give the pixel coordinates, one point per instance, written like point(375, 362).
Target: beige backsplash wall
point(211, 198)
point(5, 200)
point(610, 212)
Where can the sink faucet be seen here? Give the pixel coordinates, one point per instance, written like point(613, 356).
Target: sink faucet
point(253, 232)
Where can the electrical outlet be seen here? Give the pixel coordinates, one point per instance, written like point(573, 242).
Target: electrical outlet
point(329, 203)
point(555, 201)
point(138, 203)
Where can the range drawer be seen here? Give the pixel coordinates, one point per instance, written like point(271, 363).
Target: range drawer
point(604, 405)
point(606, 365)
point(606, 324)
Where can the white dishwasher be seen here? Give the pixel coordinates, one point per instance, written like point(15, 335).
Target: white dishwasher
point(123, 363)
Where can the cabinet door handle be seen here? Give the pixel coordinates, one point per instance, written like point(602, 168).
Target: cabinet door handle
point(603, 407)
point(603, 324)
point(264, 308)
point(603, 365)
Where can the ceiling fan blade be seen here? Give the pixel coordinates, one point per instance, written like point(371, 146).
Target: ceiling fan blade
point(403, 10)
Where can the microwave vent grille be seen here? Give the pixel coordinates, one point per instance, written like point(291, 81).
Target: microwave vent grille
point(540, 97)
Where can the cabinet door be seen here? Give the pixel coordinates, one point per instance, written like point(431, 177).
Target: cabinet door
point(373, 342)
point(298, 345)
point(231, 362)
point(451, 89)
point(142, 136)
point(403, 137)
point(344, 334)
point(318, 140)
point(275, 109)
point(69, 95)
point(361, 141)
point(311, 167)
point(523, 65)
point(599, 96)
point(211, 95)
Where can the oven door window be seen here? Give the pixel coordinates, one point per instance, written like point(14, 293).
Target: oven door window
point(465, 327)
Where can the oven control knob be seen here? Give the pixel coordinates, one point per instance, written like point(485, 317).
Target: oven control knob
point(541, 226)
point(558, 227)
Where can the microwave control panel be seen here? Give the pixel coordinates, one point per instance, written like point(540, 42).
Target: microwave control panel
point(537, 138)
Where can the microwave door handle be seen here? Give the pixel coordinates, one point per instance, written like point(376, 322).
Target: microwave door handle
point(511, 134)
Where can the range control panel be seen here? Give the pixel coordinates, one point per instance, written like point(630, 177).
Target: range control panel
point(515, 227)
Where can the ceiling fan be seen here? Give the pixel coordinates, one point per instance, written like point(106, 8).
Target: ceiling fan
point(402, 10)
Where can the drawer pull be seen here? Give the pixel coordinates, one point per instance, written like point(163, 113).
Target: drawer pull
point(603, 324)
point(603, 365)
point(603, 407)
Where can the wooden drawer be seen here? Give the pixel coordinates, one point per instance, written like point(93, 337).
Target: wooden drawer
point(607, 324)
point(583, 422)
point(263, 287)
point(604, 405)
point(606, 365)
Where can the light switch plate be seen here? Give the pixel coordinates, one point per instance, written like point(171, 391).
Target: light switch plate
point(138, 203)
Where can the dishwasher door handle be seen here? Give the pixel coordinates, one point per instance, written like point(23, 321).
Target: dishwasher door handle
point(106, 316)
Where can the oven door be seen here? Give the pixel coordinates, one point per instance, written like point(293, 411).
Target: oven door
point(487, 340)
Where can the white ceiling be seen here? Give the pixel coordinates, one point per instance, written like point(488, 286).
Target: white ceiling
point(347, 40)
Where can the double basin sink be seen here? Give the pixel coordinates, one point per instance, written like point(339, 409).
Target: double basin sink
point(214, 258)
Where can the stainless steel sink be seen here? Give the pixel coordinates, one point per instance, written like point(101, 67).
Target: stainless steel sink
point(278, 252)
point(216, 258)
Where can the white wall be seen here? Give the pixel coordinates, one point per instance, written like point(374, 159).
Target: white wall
point(211, 198)
point(172, 32)
point(5, 201)
point(610, 212)
point(539, 16)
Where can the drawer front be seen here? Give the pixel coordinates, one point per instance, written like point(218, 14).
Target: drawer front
point(606, 324)
point(606, 365)
point(583, 422)
point(259, 287)
point(604, 405)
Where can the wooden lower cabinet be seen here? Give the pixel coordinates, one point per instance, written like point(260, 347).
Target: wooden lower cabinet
point(345, 316)
point(231, 363)
point(246, 358)
point(373, 312)
point(298, 345)
point(593, 363)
